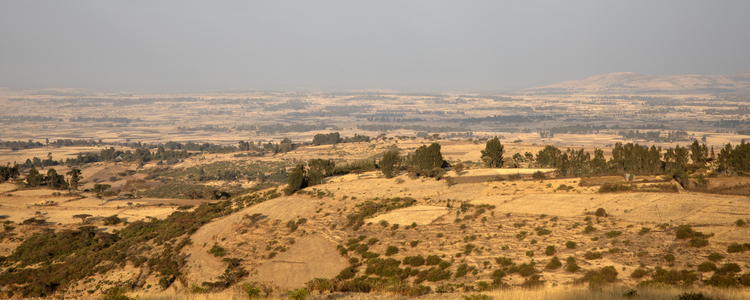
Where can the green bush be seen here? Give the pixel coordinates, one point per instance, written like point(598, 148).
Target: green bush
point(715, 256)
point(391, 250)
point(608, 187)
point(613, 233)
point(707, 267)
point(217, 251)
point(550, 250)
point(414, 261)
point(592, 255)
point(553, 264)
point(504, 261)
point(570, 244)
point(599, 278)
point(300, 294)
point(638, 273)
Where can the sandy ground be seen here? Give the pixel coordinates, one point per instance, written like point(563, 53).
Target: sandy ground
point(420, 214)
point(312, 256)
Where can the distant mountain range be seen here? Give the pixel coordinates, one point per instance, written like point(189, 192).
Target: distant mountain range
point(629, 83)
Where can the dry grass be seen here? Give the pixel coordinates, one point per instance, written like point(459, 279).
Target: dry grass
point(510, 294)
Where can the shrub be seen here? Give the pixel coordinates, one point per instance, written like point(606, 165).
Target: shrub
point(613, 233)
point(550, 250)
point(592, 255)
point(669, 257)
point(572, 266)
point(570, 244)
point(644, 230)
point(300, 294)
point(698, 242)
point(319, 284)
point(553, 264)
point(112, 220)
point(599, 278)
point(433, 260)
point(462, 270)
point(589, 229)
point(638, 273)
point(217, 251)
point(347, 273)
point(740, 223)
point(542, 231)
point(693, 296)
point(608, 187)
point(252, 291)
point(707, 267)
point(715, 256)
point(686, 231)
point(504, 261)
point(734, 248)
point(437, 274)
point(414, 261)
point(729, 268)
point(600, 212)
point(391, 250)
point(538, 175)
point(372, 241)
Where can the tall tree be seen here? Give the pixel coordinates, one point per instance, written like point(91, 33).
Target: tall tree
point(296, 180)
point(34, 179)
point(548, 156)
point(390, 163)
point(492, 155)
point(428, 158)
point(75, 178)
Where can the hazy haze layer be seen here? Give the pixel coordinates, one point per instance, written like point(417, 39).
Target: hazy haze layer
point(486, 45)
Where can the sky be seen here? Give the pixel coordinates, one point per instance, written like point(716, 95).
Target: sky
point(334, 45)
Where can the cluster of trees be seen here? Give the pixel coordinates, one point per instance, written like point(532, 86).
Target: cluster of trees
point(390, 127)
point(211, 128)
point(301, 177)
point(8, 172)
point(334, 138)
point(40, 163)
point(735, 158)
point(53, 180)
point(281, 128)
point(655, 136)
point(632, 158)
point(285, 145)
point(101, 119)
point(30, 144)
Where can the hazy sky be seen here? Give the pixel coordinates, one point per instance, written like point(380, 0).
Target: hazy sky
point(440, 45)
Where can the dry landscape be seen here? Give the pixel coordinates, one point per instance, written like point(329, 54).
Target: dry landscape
point(171, 205)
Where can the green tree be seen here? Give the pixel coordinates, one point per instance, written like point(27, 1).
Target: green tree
point(296, 180)
point(390, 163)
point(55, 181)
point(428, 160)
point(34, 179)
point(319, 169)
point(548, 157)
point(492, 155)
point(75, 178)
point(698, 153)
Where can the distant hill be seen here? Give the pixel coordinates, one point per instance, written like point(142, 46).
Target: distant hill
point(628, 82)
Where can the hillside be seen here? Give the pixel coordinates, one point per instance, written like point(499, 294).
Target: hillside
point(636, 83)
point(479, 231)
